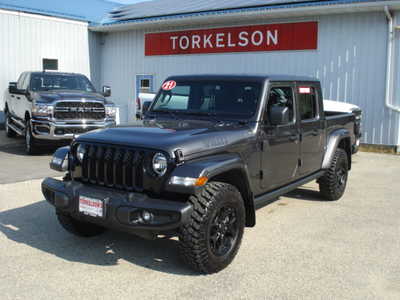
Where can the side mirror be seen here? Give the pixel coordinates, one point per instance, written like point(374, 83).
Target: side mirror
point(12, 88)
point(145, 107)
point(279, 115)
point(106, 91)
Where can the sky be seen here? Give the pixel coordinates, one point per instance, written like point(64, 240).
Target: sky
point(128, 1)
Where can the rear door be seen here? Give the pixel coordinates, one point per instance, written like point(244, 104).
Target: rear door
point(281, 146)
point(311, 127)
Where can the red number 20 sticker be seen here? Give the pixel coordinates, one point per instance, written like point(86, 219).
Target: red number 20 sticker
point(168, 85)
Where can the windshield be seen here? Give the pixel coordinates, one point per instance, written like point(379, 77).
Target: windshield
point(47, 82)
point(223, 98)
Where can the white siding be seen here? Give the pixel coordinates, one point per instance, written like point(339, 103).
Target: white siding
point(350, 62)
point(27, 38)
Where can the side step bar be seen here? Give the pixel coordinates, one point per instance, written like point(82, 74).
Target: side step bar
point(16, 129)
point(269, 197)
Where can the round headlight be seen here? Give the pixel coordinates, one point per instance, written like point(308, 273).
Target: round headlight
point(80, 152)
point(160, 164)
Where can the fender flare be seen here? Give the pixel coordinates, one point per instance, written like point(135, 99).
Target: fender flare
point(215, 167)
point(333, 141)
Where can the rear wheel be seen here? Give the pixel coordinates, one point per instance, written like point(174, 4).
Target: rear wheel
point(9, 132)
point(211, 239)
point(333, 184)
point(79, 228)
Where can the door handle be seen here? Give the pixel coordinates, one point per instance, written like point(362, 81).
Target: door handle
point(18, 97)
point(12, 96)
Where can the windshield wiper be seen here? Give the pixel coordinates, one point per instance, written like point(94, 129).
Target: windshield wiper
point(172, 113)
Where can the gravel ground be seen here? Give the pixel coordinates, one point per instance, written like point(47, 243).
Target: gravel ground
point(301, 248)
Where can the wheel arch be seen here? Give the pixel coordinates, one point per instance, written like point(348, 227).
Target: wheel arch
point(27, 116)
point(339, 138)
point(239, 179)
point(227, 168)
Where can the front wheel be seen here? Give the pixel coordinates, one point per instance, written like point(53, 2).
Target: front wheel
point(211, 239)
point(333, 184)
point(30, 141)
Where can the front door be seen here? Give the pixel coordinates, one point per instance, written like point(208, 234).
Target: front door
point(281, 143)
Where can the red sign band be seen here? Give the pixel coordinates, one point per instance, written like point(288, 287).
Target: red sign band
point(271, 37)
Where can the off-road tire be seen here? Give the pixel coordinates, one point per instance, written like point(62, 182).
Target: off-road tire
point(9, 132)
point(79, 228)
point(333, 184)
point(31, 146)
point(196, 247)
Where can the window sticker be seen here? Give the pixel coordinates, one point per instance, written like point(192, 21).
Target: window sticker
point(168, 85)
point(305, 90)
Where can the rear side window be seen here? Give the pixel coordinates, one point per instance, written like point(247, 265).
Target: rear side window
point(307, 103)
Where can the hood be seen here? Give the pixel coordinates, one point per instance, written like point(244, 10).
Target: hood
point(192, 137)
point(50, 96)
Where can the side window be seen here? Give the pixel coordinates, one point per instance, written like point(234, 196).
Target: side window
point(307, 103)
point(25, 83)
point(281, 97)
point(21, 81)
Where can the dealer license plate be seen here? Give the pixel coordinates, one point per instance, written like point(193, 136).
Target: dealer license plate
point(90, 206)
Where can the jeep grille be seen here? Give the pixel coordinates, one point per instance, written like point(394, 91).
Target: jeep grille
point(111, 166)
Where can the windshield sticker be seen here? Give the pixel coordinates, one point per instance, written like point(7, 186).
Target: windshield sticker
point(304, 90)
point(168, 85)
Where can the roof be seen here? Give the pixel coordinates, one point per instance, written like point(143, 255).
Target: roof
point(53, 73)
point(241, 77)
point(173, 7)
point(151, 14)
point(92, 11)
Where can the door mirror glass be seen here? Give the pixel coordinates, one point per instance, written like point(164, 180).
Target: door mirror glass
point(280, 106)
point(106, 91)
point(12, 88)
point(279, 115)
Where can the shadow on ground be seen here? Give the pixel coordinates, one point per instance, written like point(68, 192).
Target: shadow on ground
point(36, 225)
point(305, 194)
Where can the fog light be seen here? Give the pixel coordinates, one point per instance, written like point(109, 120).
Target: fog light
point(147, 216)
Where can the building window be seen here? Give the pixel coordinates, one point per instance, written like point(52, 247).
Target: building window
point(144, 85)
point(50, 64)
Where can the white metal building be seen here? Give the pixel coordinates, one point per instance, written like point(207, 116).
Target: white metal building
point(353, 48)
point(33, 32)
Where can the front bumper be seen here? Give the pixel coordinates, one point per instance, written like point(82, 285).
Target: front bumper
point(122, 210)
point(53, 130)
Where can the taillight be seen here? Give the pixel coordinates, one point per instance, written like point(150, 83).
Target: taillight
point(137, 103)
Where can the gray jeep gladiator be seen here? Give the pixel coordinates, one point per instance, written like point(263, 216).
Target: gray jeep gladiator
point(50, 108)
point(210, 151)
